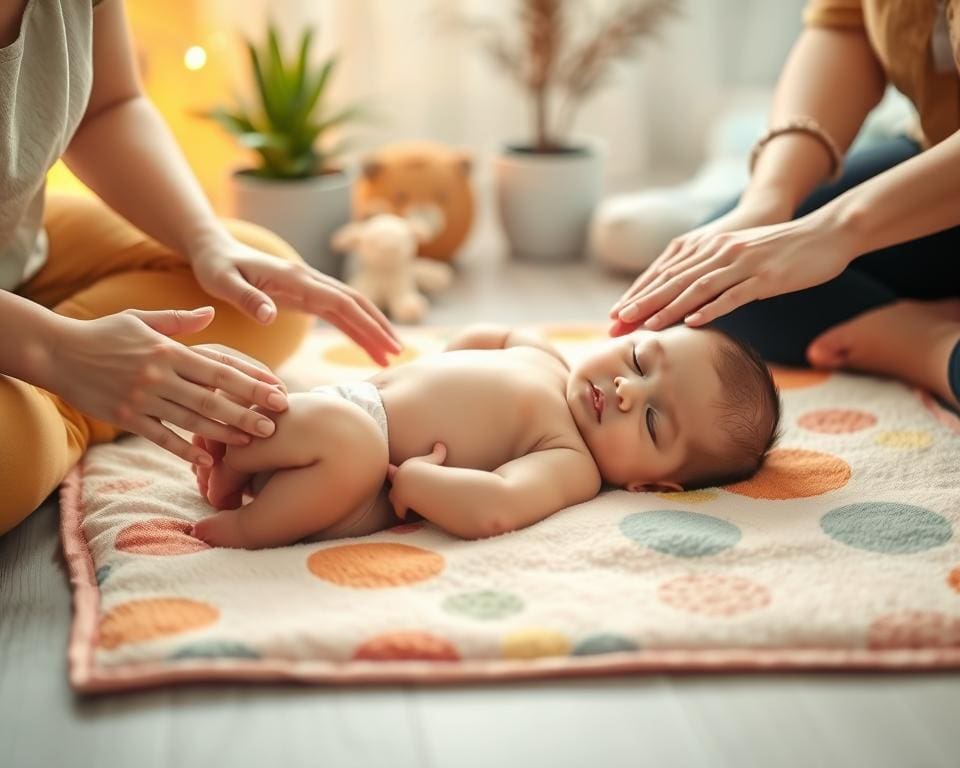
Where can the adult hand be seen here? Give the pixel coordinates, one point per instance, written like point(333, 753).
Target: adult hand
point(256, 284)
point(399, 477)
point(123, 369)
point(707, 274)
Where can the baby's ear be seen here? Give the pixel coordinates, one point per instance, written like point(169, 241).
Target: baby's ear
point(662, 487)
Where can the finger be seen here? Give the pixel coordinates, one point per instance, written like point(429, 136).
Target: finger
point(262, 373)
point(206, 404)
point(173, 322)
point(207, 370)
point(399, 508)
point(167, 439)
point(439, 453)
point(729, 300)
point(677, 265)
point(391, 472)
point(356, 317)
point(647, 276)
point(219, 434)
point(248, 298)
point(365, 303)
point(620, 328)
point(703, 289)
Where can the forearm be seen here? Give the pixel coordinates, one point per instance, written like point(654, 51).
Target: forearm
point(834, 77)
point(28, 339)
point(469, 503)
point(128, 157)
point(915, 198)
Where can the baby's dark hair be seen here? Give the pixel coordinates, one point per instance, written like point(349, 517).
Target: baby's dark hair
point(749, 413)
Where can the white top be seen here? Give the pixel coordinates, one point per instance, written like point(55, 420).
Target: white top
point(45, 80)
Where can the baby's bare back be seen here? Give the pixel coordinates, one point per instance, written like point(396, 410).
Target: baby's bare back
point(487, 406)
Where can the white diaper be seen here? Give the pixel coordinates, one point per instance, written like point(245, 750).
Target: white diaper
point(375, 514)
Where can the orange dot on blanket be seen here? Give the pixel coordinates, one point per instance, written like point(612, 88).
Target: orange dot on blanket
point(354, 357)
point(713, 595)
point(797, 378)
point(534, 643)
point(159, 536)
point(794, 473)
point(374, 566)
point(836, 421)
point(953, 579)
point(398, 646)
point(915, 629)
point(141, 620)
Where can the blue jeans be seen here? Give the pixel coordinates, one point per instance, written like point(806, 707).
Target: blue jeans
point(781, 327)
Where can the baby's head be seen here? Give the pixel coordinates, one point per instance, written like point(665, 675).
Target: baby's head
point(676, 409)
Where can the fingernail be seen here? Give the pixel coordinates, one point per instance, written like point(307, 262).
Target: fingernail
point(692, 318)
point(652, 323)
point(265, 427)
point(264, 313)
point(630, 313)
point(205, 460)
point(276, 400)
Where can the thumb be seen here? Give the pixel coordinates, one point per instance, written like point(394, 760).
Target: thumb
point(173, 322)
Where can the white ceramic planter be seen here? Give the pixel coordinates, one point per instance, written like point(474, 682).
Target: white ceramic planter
point(304, 212)
point(545, 200)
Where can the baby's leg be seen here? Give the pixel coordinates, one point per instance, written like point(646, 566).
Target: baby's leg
point(327, 456)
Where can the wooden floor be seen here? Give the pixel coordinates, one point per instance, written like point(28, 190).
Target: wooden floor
point(873, 720)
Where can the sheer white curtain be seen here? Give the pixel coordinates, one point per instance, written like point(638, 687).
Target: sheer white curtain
point(424, 80)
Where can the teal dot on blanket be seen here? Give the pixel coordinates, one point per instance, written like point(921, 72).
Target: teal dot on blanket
point(214, 649)
point(486, 604)
point(102, 572)
point(603, 643)
point(887, 527)
point(680, 533)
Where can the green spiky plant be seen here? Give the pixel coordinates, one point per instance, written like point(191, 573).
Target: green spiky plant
point(290, 124)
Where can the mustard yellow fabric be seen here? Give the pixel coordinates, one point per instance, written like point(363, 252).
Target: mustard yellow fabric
point(99, 264)
point(899, 33)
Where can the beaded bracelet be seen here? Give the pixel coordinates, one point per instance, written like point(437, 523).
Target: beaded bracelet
point(805, 125)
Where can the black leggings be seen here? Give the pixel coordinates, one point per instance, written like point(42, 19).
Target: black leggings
point(781, 327)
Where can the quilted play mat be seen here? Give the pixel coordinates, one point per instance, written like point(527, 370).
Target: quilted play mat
point(842, 553)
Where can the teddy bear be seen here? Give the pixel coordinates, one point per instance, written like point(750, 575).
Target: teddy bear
point(420, 179)
point(387, 269)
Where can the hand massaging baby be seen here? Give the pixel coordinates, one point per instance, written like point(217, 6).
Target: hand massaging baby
point(495, 434)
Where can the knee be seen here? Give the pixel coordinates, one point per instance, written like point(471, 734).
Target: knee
point(342, 432)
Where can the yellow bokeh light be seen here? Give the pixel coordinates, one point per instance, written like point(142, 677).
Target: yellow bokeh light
point(194, 58)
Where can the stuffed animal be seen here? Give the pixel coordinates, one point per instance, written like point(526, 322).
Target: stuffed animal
point(420, 179)
point(387, 269)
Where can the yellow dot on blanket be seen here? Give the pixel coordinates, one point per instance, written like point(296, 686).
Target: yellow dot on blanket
point(140, 620)
point(375, 566)
point(794, 473)
point(914, 629)
point(159, 536)
point(953, 579)
point(407, 646)
point(797, 378)
point(354, 357)
point(534, 643)
point(690, 497)
point(904, 439)
point(835, 421)
point(713, 594)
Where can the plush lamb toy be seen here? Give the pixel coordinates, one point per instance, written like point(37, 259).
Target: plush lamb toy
point(388, 270)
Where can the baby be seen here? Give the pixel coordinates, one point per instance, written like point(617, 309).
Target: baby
point(495, 434)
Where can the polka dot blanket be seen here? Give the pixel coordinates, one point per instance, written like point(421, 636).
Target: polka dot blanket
point(841, 553)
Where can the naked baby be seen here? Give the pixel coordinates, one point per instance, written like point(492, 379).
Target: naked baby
point(495, 434)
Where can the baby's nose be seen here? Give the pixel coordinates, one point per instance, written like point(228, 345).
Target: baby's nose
point(627, 395)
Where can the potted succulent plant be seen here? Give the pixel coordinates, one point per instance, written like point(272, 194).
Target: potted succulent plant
point(548, 185)
point(296, 190)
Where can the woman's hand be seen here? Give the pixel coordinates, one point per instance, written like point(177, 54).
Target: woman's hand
point(257, 284)
point(707, 273)
point(124, 370)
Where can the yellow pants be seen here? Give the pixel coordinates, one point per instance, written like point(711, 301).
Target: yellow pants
point(97, 265)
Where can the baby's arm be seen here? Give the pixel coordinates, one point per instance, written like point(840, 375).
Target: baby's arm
point(490, 336)
point(475, 504)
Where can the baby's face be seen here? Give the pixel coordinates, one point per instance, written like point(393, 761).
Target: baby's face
point(644, 402)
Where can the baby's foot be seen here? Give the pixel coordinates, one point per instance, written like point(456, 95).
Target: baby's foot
point(225, 486)
point(221, 530)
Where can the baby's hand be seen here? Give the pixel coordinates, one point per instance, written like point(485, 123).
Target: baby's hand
point(396, 477)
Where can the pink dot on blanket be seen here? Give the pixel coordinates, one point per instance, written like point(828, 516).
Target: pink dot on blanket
point(375, 566)
point(406, 646)
point(713, 594)
point(797, 378)
point(124, 485)
point(140, 620)
point(835, 421)
point(794, 473)
point(914, 629)
point(159, 536)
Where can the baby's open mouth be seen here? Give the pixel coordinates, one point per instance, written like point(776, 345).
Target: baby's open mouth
point(597, 401)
